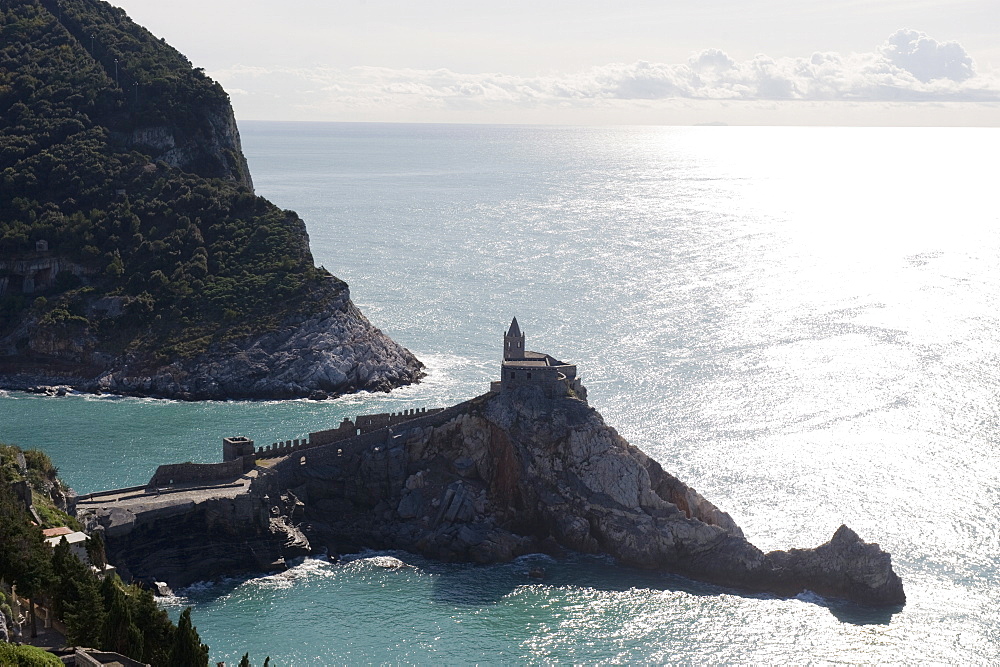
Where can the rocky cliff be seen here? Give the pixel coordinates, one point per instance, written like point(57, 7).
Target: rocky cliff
point(134, 256)
point(512, 472)
point(521, 471)
point(330, 351)
point(183, 537)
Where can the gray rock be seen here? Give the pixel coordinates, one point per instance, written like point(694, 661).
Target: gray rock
point(549, 475)
point(520, 472)
point(306, 356)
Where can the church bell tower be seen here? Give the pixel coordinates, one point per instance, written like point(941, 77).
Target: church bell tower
point(513, 342)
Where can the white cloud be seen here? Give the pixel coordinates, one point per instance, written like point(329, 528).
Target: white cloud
point(927, 59)
point(908, 67)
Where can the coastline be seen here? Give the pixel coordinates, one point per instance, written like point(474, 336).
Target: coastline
point(324, 355)
point(516, 471)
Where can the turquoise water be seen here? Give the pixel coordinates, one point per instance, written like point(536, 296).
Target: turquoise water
point(800, 322)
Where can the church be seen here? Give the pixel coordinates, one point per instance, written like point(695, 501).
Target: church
point(522, 367)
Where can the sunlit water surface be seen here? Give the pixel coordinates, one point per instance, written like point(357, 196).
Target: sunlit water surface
point(800, 322)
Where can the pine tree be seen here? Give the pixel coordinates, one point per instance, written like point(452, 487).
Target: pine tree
point(154, 624)
point(84, 615)
point(69, 574)
point(95, 551)
point(119, 633)
point(245, 660)
point(188, 649)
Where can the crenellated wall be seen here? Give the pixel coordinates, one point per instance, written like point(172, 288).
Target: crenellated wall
point(362, 425)
point(334, 453)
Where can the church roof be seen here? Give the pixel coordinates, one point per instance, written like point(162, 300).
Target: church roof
point(514, 329)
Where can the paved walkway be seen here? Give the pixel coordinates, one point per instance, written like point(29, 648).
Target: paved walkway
point(143, 498)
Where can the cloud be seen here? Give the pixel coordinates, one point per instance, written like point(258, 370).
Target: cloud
point(927, 59)
point(909, 67)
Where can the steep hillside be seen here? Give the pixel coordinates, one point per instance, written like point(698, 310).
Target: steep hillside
point(134, 255)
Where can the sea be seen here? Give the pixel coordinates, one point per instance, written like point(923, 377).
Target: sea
point(801, 323)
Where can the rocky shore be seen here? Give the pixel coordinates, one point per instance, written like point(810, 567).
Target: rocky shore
point(520, 471)
point(331, 352)
point(509, 473)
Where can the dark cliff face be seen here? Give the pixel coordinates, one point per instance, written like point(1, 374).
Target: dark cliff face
point(134, 256)
point(180, 539)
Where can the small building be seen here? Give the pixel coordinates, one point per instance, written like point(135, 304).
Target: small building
point(77, 541)
point(522, 367)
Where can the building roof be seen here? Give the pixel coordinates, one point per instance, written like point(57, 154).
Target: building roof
point(55, 532)
point(514, 330)
point(526, 363)
point(73, 538)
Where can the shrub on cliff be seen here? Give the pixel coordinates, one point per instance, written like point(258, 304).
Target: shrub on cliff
point(26, 656)
point(25, 557)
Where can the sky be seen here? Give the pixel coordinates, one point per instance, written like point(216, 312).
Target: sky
point(586, 62)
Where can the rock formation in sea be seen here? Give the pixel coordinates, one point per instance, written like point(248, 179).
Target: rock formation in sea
point(522, 469)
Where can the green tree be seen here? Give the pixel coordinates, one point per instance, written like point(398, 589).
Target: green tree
point(118, 632)
point(76, 597)
point(84, 616)
point(154, 624)
point(95, 551)
point(25, 559)
point(64, 572)
point(245, 660)
point(188, 649)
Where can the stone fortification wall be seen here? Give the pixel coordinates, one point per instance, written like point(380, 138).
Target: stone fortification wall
point(369, 423)
point(362, 425)
point(187, 473)
point(282, 448)
point(290, 470)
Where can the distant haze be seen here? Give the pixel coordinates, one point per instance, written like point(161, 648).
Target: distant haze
point(841, 62)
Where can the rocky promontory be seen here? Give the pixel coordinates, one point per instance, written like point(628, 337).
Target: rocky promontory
point(332, 351)
point(519, 470)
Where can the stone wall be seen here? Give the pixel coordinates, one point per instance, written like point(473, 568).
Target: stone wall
point(369, 423)
point(290, 470)
point(34, 272)
point(282, 448)
point(362, 425)
point(189, 473)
